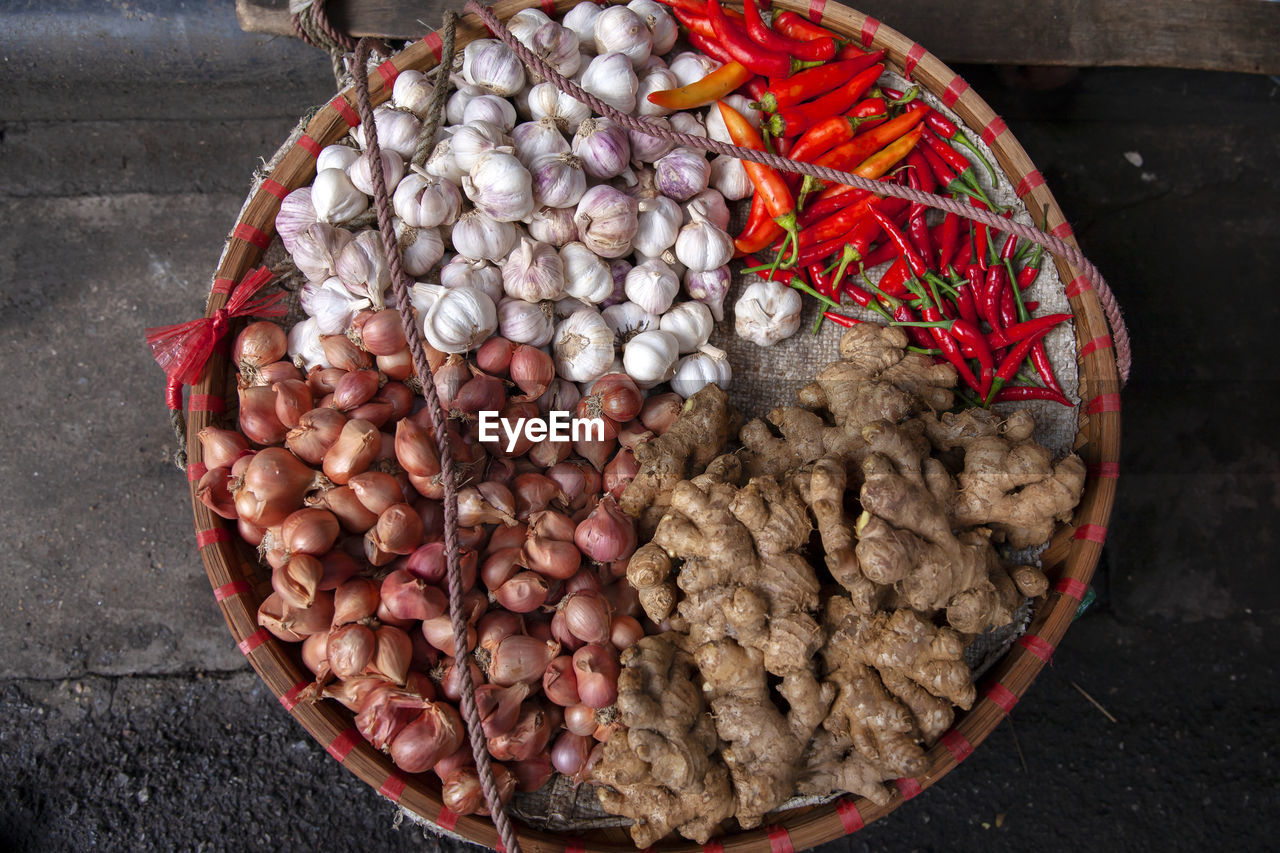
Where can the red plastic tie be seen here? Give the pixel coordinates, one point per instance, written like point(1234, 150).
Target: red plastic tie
point(245, 231)
point(388, 72)
point(275, 188)
point(196, 470)
point(447, 818)
point(252, 641)
point(340, 747)
point(957, 87)
point(1100, 342)
point(914, 56)
point(222, 285)
point(1032, 180)
point(348, 112)
point(222, 593)
point(1003, 697)
point(1078, 285)
point(957, 744)
point(434, 44)
point(206, 403)
point(850, 817)
point(869, 27)
point(209, 537)
point(289, 699)
point(394, 787)
point(1071, 588)
point(309, 145)
point(1038, 646)
point(994, 128)
point(1105, 470)
point(1092, 532)
point(908, 786)
point(1103, 403)
point(780, 840)
point(816, 8)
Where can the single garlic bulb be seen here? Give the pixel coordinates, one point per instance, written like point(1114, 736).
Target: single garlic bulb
point(627, 320)
point(455, 109)
point(533, 272)
point(491, 109)
point(558, 180)
point(650, 358)
point(296, 214)
point(582, 346)
point(461, 319)
point(682, 174)
point(603, 147)
point(317, 247)
point(690, 67)
point(336, 156)
point(361, 172)
point(362, 266)
point(658, 223)
point(331, 304)
point(611, 78)
point(425, 201)
point(476, 235)
point(691, 324)
point(710, 204)
point(710, 288)
point(525, 23)
point(397, 131)
point(470, 141)
point(648, 149)
point(480, 274)
point(412, 91)
point(729, 176)
point(652, 285)
point(420, 248)
point(553, 225)
point(716, 128)
point(695, 372)
point(557, 46)
point(586, 276)
point(701, 246)
point(685, 122)
point(535, 138)
point(491, 65)
point(654, 80)
point(335, 199)
point(661, 25)
point(304, 347)
point(443, 164)
point(606, 220)
point(620, 30)
point(767, 312)
point(530, 323)
point(582, 20)
point(500, 186)
point(567, 112)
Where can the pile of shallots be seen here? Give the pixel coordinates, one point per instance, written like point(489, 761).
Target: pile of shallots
point(335, 477)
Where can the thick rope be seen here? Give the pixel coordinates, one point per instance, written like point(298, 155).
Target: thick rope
point(400, 284)
point(178, 423)
point(439, 91)
point(992, 220)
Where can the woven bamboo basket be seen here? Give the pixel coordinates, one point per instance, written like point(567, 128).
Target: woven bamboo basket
point(239, 585)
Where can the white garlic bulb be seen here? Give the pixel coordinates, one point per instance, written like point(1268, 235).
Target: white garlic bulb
point(655, 80)
point(530, 323)
point(331, 304)
point(533, 272)
point(567, 112)
point(556, 46)
point(335, 198)
point(646, 148)
point(686, 122)
point(412, 91)
point(558, 180)
point(701, 245)
point(691, 324)
point(603, 148)
point(666, 256)
point(690, 67)
point(627, 320)
point(620, 30)
point(586, 276)
point(582, 20)
point(336, 157)
point(361, 172)
point(500, 186)
point(710, 288)
point(480, 274)
point(582, 346)
point(317, 247)
point(491, 65)
point(535, 138)
point(296, 214)
point(662, 26)
point(658, 223)
point(443, 164)
point(682, 174)
point(606, 220)
point(525, 23)
point(460, 320)
point(553, 225)
point(716, 128)
point(611, 78)
point(362, 266)
point(767, 312)
point(567, 306)
point(397, 131)
point(425, 201)
point(476, 235)
point(650, 358)
point(455, 108)
point(709, 204)
point(695, 372)
point(652, 285)
point(470, 141)
point(304, 349)
point(420, 248)
point(729, 176)
point(491, 109)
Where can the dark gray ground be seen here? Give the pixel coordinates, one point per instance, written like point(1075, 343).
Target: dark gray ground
point(127, 135)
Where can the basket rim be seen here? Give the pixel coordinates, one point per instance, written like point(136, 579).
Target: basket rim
point(1070, 559)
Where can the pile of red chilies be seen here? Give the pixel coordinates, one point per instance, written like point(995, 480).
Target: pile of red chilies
point(956, 290)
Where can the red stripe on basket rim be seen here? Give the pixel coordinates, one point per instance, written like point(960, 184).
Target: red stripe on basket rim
point(1002, 697)
point(245, 231)
point(289, 699)
point(1100, 342)
point(388, 72)
point(393, 788)
point(1071, 588)
point(434, 44)
point(222, 593)
point(780, 840)
point(914, 55)
point(1078, 285)
point(344, 108)
point(713, 847)
point(908, 786)
point(448, 819)
point(957, 744)
point(309, 145)
point(1105, 470)
point(251, 642)
point(1062, 230)
point(340, 747)
point(222, 285)
point(850, 817)
point(196, 470)
point(1092, 533)
point(1103, 403)
point(1029, 182)
point(957, 87)
point(1038, 646)
point(205, 538)
point(206, 403)
point(994, 128)
point(275, 188)
point(548, 7)
point(869, 27)
point(575, 845)
point(816, 8)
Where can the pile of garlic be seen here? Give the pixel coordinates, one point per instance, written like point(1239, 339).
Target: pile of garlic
point(533, 219)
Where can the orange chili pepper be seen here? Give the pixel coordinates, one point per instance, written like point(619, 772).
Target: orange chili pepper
point(768, 183)
point(723, 81)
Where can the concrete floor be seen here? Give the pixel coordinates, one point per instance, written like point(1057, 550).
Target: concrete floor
point(127, 134)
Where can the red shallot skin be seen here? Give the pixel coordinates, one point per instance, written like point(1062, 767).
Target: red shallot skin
point(533, 773)
point(432, 735)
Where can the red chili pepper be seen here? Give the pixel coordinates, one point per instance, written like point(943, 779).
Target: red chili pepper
point(886, 145)
point(710, 47)
point(768, 183)
point(754, 88)
point(1031, 306)
point(992, 296)
point(797, 118)
point(948, 129)
point(696, 23)
point(894, 280)
point(968, 335)
point(1040, 358)
point(948, 239)
point(782, 146)
point(921, 172)
point(708, 90)
point(950, 347)
point(839, 222)
point(760, 230)
point(1028, 274)
point(815, 81)
point(1011, 363)
point(837, 130)
point(918, 269)
point(1008, 309)
point(1022, 393)
point(841, 320)
point(696, 7)
point(917, 228)
point(794, 26)
point(920, 337)
point(820, 48)
point(1018, 331)
point(949, 155)
point(964, 302)
point(1010, 247)
point(735, 41)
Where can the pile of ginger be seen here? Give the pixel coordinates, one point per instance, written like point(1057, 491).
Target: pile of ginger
point(774, 678)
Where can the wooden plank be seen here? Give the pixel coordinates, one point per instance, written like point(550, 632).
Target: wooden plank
point(1227, 35)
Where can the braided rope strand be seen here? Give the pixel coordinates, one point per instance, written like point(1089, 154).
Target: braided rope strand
point(992, 220)
point(400, 285)
point(439, 90)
